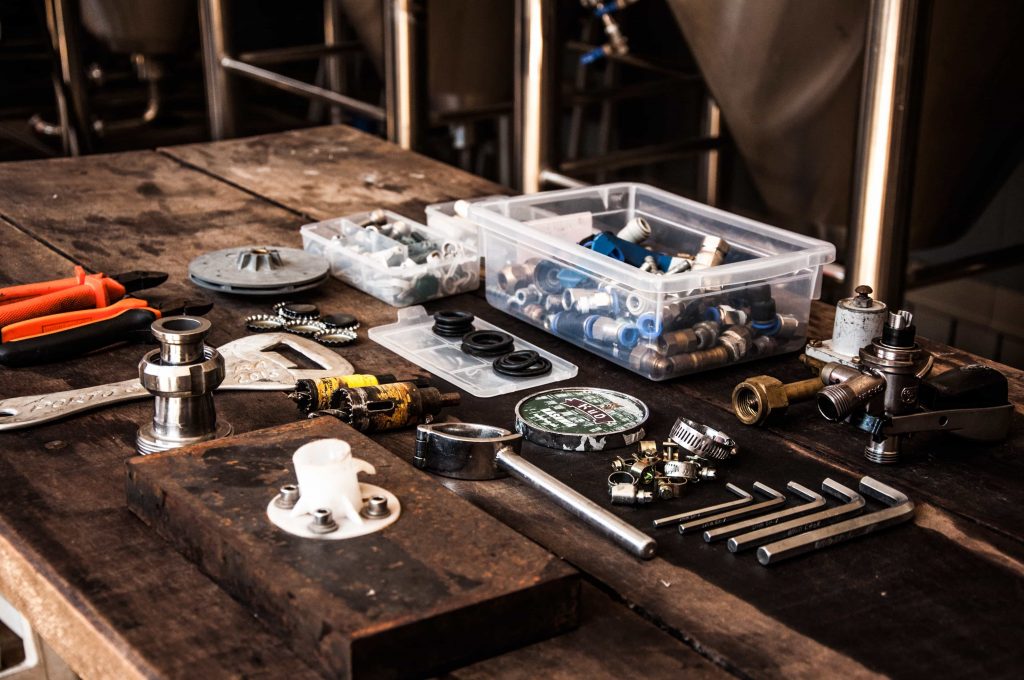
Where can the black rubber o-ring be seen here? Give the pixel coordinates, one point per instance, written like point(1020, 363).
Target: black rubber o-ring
point(453, 323)
point(487, 343)
point(519, 359)
point(540, 367)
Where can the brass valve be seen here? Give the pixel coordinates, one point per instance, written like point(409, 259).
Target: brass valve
point(754, 399)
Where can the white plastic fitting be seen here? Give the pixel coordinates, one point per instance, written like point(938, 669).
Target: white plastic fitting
point(327, 475)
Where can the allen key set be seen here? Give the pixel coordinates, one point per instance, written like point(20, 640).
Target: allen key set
point(793, 531)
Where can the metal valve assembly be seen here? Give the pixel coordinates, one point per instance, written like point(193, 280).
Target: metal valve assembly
point(181, 376)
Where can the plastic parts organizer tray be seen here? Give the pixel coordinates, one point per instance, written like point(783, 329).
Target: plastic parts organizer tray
point(423, 263)
point(411, 337)
point(755, 303)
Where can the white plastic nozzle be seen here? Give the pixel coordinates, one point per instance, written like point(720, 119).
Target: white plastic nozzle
point(327, 476)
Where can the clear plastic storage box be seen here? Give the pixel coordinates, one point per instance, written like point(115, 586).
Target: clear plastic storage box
point(742, 299)
point(401, 262)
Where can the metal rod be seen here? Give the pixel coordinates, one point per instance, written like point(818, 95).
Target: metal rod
point(220, 105)
point(707, 179)
point(302, 89)
point(607, 524)
point(664, 69)
point(558, 179)
point(533, 78)
point(774, 499)
point(625, 158)
point(284, 55)
point(970, 265)
point(332, 61)
point(744, 498)
point(401, 77)
point(877, 249)
point(814, 501)
point(901, 510)
point(853, 503)
point(62, 22)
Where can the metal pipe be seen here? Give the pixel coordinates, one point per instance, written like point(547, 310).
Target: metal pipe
point(707, 178)
point(401, 77)
point(62, 21)
point(653, 153)
point(877, 248)
point(220, 105)
point(533, 78)
point(605, 523)
point(332, 62)
point(302, 89)
point(664, 69)
point(558, 179)
point(284, 55)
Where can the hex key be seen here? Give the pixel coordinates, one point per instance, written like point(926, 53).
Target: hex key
point(814, 501)
point(901, 510)
point(744, 498)
point(853, 503)
point(774, 498)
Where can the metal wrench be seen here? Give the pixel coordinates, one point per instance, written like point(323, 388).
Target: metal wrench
point(744, 498)
point(853, 504)
point(250, 364)
point(774, 498)
point(901, 510)
point(814, 501)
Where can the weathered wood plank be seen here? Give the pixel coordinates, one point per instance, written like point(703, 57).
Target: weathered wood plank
point(333, 171)
point(430, 586)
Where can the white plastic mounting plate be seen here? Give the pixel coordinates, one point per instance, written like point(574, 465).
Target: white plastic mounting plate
point(299, 524)
point(412, 338)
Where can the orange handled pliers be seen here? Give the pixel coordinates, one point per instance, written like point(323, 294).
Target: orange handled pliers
point(81, 292)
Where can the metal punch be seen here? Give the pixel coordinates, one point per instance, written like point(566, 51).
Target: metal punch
point(853, 503)
point(672, 520)
point(901, 509)
point(814, 501)
point(479, 452)
point(774, 499)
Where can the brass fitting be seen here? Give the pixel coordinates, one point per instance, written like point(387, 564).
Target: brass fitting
point(754, 399)
point(515, 276)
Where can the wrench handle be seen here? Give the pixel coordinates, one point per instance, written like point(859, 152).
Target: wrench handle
point(20, 412)
point(607, 524)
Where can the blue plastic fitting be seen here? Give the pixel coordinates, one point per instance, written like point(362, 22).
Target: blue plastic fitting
point(648, 325)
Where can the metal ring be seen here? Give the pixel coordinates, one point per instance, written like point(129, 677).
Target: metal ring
point(701, 440)
point(620, 477)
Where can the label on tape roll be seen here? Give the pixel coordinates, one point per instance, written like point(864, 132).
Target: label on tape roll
point(581, 419)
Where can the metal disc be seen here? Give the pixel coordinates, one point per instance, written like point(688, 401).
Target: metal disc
point(258, 270)
point(581, 419)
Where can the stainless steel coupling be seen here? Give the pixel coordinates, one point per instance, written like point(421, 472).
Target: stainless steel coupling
point(181, 376)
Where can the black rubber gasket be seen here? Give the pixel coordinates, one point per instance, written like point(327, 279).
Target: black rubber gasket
point(519, 359)
point(539, 367)
point(487, 343)
point(453, 323)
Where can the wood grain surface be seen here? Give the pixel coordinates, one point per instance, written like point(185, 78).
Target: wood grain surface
point(942, 595)
point(420, 596)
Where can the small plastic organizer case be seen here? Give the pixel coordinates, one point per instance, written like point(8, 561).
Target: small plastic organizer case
point(412, 338)
point(400, 265)
point(754, 303)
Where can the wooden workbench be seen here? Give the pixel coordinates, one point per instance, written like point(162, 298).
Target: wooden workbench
point(944, 595)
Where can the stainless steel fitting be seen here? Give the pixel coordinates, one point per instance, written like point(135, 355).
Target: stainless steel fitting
point(737, 340)
point(181, 376)
point(730, 316)
point(529, 295)
point(288, 496)
point(533, 312)
point(515, 276)
point(592, 301)
point(637, 230)
point(712, 252)
point(608, 330)
point(376, 508)
point(323, 521)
